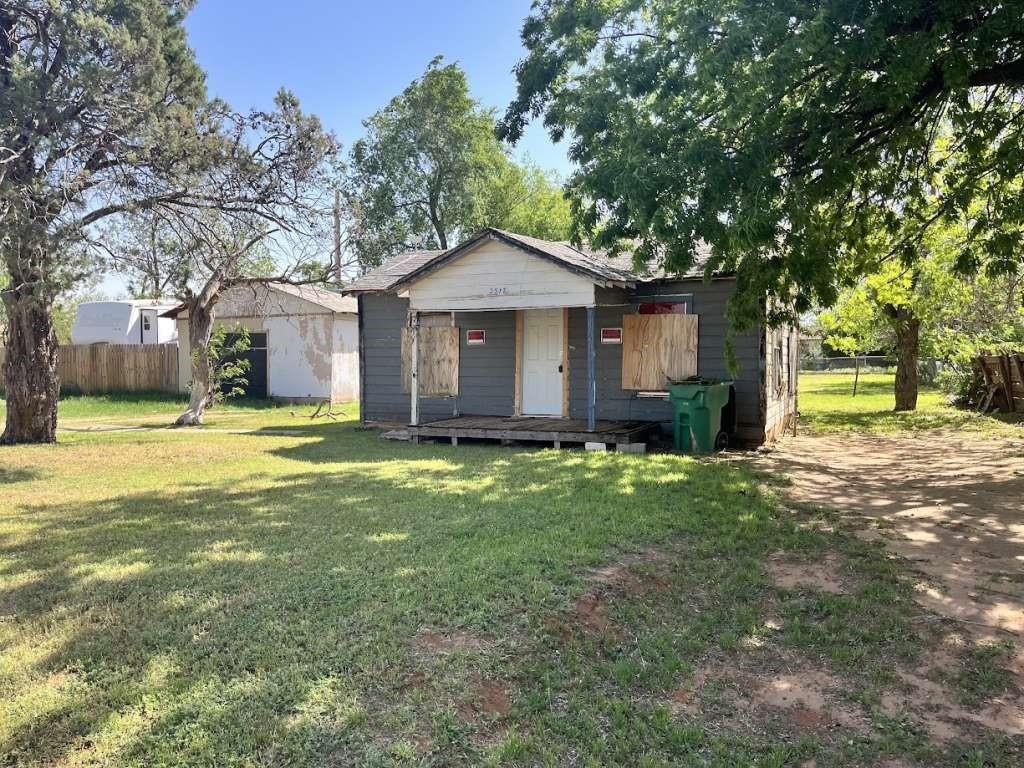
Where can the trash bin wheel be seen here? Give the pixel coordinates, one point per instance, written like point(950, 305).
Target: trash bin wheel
point(722, 440)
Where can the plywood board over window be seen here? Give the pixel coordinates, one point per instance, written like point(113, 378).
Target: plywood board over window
point(658, 349)
point(438, 361)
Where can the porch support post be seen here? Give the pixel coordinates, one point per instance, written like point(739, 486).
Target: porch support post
point(414, 384)
point(591, 372)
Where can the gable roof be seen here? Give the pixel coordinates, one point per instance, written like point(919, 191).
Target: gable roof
point(314, 294)
point(596, 265)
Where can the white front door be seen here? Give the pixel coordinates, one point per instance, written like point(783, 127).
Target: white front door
point(543, 344)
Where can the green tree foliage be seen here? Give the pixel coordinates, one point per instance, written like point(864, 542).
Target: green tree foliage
point(430, 171)
point(229, 368)
point(784, 134)
point(522, 199)
point(103, 114)
point(955, 317)
point(96, 117)
point(410, 180)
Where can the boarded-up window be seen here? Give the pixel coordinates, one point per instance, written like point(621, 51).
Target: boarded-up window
point(658, 349)
point(438, 361)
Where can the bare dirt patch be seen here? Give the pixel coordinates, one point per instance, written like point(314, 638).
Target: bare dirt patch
point(952, 505)
point(591, 612)
point(637, 573)
point(810, 698)
point(757, 689)
point(629, 576)
point(935, 706)
point(823, 576)
point(433, 643)
point(949, 503)
point(491, 699)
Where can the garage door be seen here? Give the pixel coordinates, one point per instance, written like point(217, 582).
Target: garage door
point(257, 357)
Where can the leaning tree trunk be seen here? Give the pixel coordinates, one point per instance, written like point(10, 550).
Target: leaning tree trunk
point(30, 367)
point(908, 342)
point(200, 327)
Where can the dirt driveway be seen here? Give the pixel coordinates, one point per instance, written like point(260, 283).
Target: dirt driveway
point(951, 504)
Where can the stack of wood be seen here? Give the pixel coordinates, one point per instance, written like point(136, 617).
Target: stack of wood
point(1003, 377)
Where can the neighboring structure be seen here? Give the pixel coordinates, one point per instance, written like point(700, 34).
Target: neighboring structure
point(304, 341)
point(812, 347)
point(513, 327)
point(131, 321)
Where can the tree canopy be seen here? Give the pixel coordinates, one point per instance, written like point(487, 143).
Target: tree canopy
point(103, 113)
point(430, 170)
point(958, 316)
point(97, 106)
point(784, 133)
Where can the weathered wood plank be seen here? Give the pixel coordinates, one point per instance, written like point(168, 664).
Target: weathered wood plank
point(102, 368)
point(438, 370)
point(534, 430)
point(658, 349)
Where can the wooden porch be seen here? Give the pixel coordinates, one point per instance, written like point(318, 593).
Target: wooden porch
point(536, 429)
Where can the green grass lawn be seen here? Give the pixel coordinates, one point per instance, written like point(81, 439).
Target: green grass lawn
point(275, 591)
point(827, 404)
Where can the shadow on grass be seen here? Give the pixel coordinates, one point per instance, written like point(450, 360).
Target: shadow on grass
point(271, 615)
point(18, 475)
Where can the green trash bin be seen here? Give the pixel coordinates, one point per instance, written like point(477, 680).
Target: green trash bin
point(697, 414)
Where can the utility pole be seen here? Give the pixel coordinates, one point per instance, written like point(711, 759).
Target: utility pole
point(337, 238)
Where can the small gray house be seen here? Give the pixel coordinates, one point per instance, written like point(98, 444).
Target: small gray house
point(511, 337)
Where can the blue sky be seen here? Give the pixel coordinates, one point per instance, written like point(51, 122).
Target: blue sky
point(347, 59)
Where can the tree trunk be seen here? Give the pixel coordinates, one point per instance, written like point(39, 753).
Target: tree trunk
point(908, 338)
point(435, 222)
point(30, 369)
point(200, 327)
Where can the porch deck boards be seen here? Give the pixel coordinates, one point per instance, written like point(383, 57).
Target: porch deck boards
point(536, 429)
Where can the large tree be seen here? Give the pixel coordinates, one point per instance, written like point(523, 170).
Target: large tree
point(97, 106)
point(521, 198)
point(261, 214)
point(925, 310)
point(430, 170)
point(784, 133)
point(411, 177)
point(104, 116)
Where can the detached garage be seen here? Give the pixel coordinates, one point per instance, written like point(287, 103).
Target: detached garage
point(304, 341)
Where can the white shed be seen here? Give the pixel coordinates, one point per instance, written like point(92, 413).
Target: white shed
point(304, 341)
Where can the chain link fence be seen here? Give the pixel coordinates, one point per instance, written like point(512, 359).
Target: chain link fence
point(928, 368)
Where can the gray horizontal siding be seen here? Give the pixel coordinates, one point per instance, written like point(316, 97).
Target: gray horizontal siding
point(486, 372)
point(709, 303)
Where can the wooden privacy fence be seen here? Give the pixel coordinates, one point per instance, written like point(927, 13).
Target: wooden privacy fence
point(100, 368)
point(1003, 375)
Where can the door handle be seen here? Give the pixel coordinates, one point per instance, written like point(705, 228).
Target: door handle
point(559, 367)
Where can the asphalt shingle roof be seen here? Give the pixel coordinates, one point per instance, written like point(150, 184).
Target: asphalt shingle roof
point(392, 270)
point(322, 297)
